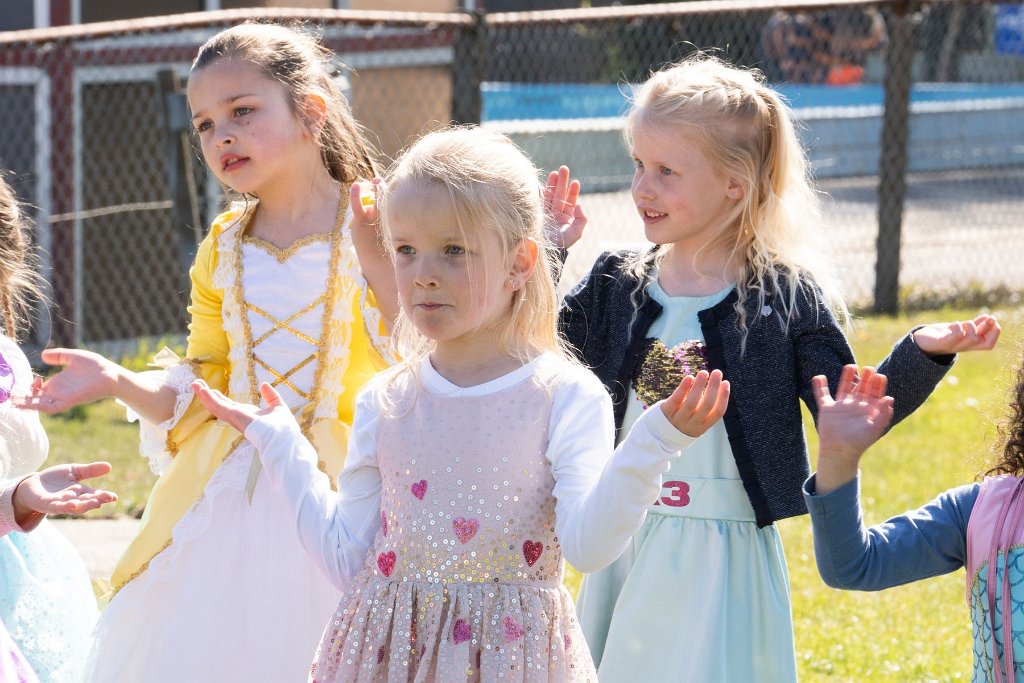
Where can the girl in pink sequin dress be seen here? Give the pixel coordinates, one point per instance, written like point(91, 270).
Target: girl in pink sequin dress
point(483, 462)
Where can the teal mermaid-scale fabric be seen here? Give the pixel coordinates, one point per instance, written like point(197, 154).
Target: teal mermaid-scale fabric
point(981, 626)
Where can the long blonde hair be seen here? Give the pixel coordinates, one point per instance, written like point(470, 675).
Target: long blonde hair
point(492, 186)
point(20, 282)
point(747, 133)
point(303, 67)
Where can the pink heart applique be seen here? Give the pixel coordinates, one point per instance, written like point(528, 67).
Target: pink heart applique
point(568, 641)
point(461, 633)
point(419, 489)
point(383, 523)
point(532, 551)
point(386, 562)
point(513, 631)
point(465, 529)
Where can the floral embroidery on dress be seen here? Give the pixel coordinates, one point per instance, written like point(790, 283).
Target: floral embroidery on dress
point(660, 368)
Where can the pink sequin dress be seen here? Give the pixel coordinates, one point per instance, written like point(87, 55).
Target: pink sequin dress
point(452, 515)
point(464, 579)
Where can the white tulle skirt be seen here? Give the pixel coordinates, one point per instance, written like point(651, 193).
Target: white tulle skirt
point(233, 598)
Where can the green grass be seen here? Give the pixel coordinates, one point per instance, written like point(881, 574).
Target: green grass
point(911, 633)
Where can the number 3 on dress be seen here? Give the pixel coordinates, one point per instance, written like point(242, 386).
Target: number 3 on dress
point(679, 494)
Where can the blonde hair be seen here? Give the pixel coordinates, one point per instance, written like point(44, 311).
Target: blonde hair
point(303, 67)
point(20, 283)
point(747, 133)
point(492, 186)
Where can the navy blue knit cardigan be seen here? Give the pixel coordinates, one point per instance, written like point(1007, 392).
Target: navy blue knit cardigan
point(767, 381)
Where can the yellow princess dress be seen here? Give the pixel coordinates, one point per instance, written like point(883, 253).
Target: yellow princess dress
point(216, 587)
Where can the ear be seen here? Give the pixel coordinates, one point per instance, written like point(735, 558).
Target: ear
point(314, 113)
point(524, 262)
point(735, 189)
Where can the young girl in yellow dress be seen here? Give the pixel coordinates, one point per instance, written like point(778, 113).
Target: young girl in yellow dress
point(288, 289)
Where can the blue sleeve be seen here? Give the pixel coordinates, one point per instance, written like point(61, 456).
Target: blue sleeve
point(918, 544)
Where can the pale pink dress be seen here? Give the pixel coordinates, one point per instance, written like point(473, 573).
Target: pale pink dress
point(464, 578)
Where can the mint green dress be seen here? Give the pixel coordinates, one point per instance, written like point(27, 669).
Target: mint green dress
point(701, 594)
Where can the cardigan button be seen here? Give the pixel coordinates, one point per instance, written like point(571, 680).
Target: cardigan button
point(766, 311)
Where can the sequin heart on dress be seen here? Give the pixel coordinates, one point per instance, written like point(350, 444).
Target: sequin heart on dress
point(513, 631)
point(6, 379)
point(419, 489)
point(461, 633)
point(465, 529)
point(532, 551)
point(386, 562)
point(383, 523)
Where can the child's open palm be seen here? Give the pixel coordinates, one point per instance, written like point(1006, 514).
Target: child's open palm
point(84, 378)
point(238, 415)
point(980, 334)
point(565, 217)
point(58, 490)
point(849, 423)
point(697, 403)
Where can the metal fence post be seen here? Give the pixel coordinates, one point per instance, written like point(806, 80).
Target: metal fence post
point(893, 160)
point(468, 70)
point(180, 169)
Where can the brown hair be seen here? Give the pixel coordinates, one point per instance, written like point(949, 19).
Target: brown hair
point(303, 67)
point(20, 282)
point(1011, 433)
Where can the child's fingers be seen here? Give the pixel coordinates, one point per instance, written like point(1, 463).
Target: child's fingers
point(715, 399)
point(679, 395)
point(572, 195)
point(56, 356)
point(90, 470)
point(692, 399)
point(709, 397)
point(875, 385)
point(819, 387)
point(270, 395)
point(549, 187)
point(848, 379)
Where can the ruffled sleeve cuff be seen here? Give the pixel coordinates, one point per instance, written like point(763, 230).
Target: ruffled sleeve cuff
point(7, 521)
point(154, 437)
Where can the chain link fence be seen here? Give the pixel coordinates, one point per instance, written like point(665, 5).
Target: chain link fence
point(910, 114)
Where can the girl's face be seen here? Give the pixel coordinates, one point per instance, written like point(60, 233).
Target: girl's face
point(250, 135)
point(681, 198)
point(454, 287)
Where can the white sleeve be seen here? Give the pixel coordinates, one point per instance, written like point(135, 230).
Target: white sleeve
point(153, 436)
point(335, 529)
point(602, 496)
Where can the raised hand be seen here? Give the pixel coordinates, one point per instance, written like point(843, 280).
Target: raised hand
point(363, 200)
point(849, 423)
point(238, 415)
point(57, 490)
point(565, 216)
point(85, 377)
point(697, 403)
point(980, 334)
point(368, 240)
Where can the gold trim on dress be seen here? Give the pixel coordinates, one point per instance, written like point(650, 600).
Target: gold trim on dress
point(318, 375)
point(283, 254)
point(283, 324)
